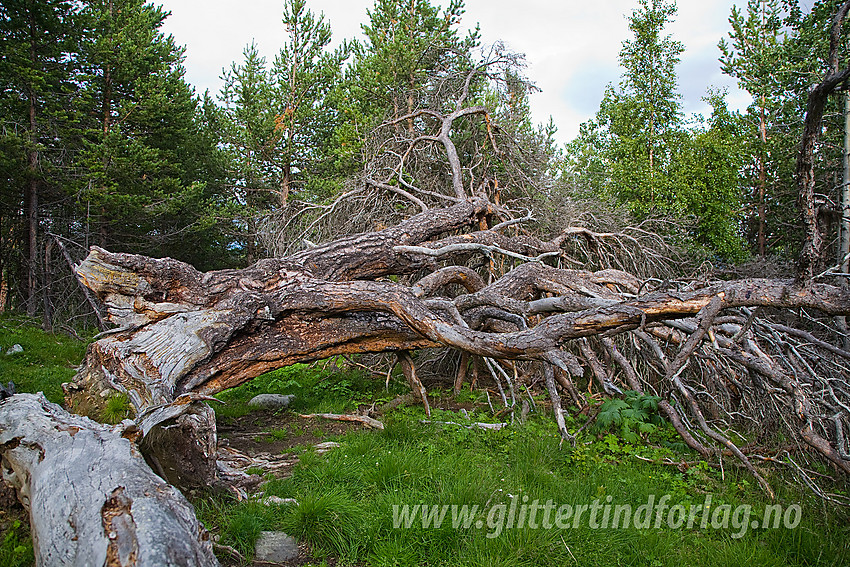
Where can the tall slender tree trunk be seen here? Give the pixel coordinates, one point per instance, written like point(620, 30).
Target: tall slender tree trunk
point(844, 221)
point(106, 110)
point(762, 186)
point(285, 184)
point(651, 160)
point(32, 221)
point(31, 197)
point(47, 291)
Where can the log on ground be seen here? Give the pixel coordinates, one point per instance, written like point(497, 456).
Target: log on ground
point(91, 497)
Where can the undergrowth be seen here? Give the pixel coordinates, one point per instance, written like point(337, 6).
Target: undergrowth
point(326, 388)
point(46, 361)
point(15, 544)
point(346, 497)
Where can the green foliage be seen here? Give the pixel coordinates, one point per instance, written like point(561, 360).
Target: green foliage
point(644, 115)
point(408, 44)
point(38, 44)
point(777, 53)
point(16, 547)
point(277, 123)
point(757, 57)
point(632, 417)
point(706, 168)
point(102, 141)
point(639, 150)
point(117, 409)
point(145, 157)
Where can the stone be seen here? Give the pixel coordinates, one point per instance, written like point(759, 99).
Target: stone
point(275, 547)
point(271, 401)
point(14, 349)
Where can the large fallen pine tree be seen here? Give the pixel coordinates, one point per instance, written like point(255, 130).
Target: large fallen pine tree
point(464, 274)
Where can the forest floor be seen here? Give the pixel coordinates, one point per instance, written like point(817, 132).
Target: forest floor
point(361, 503)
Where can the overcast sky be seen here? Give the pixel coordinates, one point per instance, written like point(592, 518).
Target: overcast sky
point(571, 46)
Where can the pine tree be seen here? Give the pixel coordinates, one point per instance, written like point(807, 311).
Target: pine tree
point(409, 45)
point(757, 58)
point(278, 124)
point(144, 153)
point(304, 75)
point(38, 46)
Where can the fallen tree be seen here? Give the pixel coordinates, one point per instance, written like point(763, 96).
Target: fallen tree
point(184, 335)
point(469, 273)
point(92, 498)
point(586, 308)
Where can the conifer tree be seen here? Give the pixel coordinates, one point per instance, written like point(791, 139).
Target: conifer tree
point(144, 155)
point(38, 46)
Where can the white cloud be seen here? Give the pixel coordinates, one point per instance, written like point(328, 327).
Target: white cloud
point(571, 47)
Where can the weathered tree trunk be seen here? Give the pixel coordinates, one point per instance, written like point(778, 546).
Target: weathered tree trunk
point(91, 497)
point(811, 254)
point(184, 335)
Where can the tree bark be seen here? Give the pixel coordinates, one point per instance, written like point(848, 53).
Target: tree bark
point(843, 256)
point(811, 254)
point(92, 499)
point(184, 335)
point(31, 194)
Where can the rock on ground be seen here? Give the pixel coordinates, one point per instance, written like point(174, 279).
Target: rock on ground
point(275, 547)
point(14, 349)
point(271, 401)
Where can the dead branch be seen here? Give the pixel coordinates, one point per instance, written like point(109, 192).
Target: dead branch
point(364, 419)
point(92, 499)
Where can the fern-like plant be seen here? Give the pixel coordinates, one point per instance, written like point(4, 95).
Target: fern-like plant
point(631, 417)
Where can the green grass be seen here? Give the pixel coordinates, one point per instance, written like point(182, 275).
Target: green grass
point(46, 361)
point(346, 500)
point(319, 390)
point(16, 546)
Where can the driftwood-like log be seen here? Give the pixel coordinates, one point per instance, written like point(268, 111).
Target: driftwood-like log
point(91, 497)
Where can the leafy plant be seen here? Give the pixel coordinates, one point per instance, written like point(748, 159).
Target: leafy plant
point(16, 547)
point(632, 417)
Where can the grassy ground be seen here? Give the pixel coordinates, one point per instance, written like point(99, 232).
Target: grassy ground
point(47, 359)
point(347, 496)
